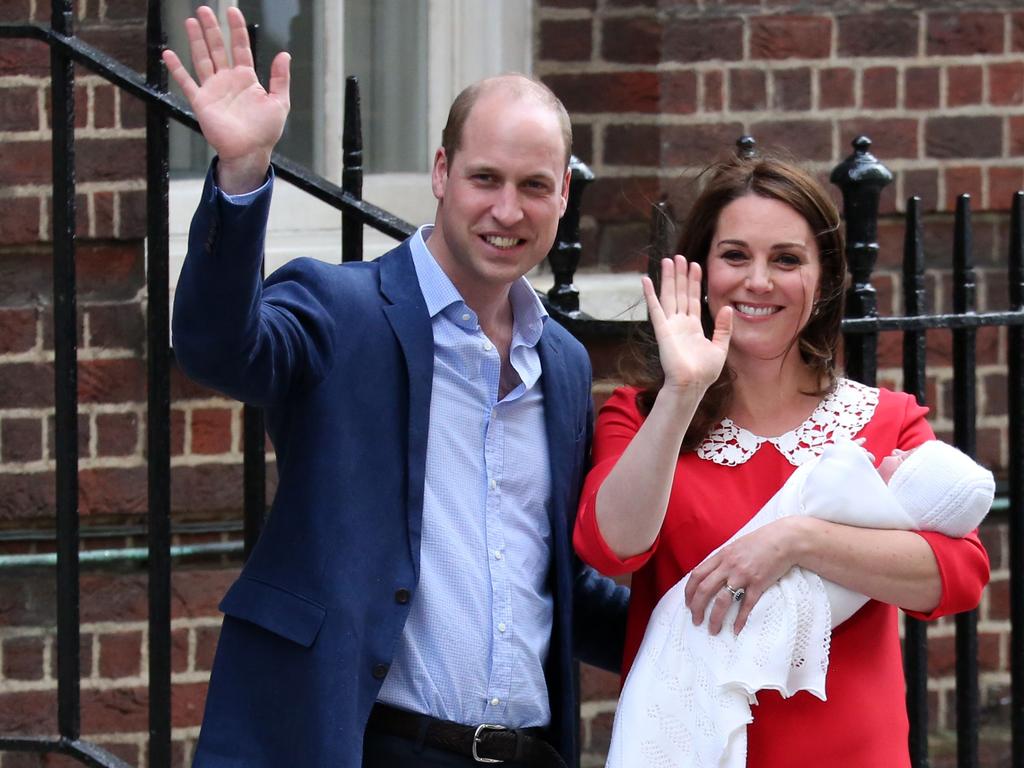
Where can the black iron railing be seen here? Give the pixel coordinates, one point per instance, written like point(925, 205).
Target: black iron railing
point(861, 178)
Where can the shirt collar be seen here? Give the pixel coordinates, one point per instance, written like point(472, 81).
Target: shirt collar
point(439, 293)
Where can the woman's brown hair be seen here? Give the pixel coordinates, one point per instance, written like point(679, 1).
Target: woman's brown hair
point(819, 340)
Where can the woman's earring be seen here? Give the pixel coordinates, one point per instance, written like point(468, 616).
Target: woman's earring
point(705, 298)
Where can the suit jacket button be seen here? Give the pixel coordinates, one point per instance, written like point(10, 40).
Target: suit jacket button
point(380, 671)
point(402, 596)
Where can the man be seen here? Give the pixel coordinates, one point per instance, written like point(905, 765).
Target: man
point(414, 584)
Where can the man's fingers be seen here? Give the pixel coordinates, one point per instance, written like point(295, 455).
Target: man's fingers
point(214, 38)
point(280, 77)
point(241, 48)
point(181, 76)
point(197, 49)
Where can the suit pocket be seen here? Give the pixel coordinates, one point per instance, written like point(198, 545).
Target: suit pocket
point(274, 609)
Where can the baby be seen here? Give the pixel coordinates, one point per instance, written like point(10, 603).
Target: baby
point(687, 698)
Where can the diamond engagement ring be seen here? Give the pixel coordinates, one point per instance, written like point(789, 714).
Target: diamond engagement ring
point(737, 593)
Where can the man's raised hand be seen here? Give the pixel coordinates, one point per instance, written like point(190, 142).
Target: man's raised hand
point(240, 120)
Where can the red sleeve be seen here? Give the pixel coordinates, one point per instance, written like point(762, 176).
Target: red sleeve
point(963, 563)
point(617, 423)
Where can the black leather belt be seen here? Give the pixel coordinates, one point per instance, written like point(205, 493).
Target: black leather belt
point(485, 743)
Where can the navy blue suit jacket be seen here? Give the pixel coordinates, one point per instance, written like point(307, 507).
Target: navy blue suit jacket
point(341, 358)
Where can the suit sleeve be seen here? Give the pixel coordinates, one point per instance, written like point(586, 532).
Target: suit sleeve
point(231, 333)
point(617, 423)
point(963, 563)
point(599, 604)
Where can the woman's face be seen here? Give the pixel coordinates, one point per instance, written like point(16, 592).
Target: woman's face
point(764, 263)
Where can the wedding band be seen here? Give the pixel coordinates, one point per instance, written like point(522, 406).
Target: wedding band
point(737, 593)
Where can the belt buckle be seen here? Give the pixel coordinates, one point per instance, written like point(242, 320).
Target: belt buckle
point(476, 741)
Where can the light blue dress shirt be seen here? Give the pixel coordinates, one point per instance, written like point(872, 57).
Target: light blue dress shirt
point(474, 646)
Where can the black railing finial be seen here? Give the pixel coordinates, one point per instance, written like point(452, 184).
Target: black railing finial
point(564, 255)
point(746, 147)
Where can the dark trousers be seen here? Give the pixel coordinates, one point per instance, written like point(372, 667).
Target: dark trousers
point(382, 750)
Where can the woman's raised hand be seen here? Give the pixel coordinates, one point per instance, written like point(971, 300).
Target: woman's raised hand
point(240, 120)
point(688, 358)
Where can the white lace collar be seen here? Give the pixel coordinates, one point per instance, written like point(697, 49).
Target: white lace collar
point(842, 413)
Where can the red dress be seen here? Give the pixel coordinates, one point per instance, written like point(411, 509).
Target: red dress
point(718, 488)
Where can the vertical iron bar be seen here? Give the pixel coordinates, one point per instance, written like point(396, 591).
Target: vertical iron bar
point(964, 412)
point(915, 635)
point(65, 345)
point(254, 466)
point(1015, 399)
point(861, 177)
point(565, 253)
point(352, 170)
point(158, 418)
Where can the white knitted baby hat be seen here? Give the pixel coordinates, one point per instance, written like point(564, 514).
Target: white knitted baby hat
point(942, 488)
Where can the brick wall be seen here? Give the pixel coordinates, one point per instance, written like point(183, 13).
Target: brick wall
point(657, 89)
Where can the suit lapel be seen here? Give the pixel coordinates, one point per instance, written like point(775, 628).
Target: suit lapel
point(407, 314)
point(558, 421)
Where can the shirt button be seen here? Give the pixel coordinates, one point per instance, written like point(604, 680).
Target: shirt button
point(487, 346)
point(402, 596)
point(465, 317)
point(495, 701)
point(502, 627)
point(493, 484)
point(380, 671)
point(498, 555)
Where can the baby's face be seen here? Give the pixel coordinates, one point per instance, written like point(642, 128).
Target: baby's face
point(891, 463)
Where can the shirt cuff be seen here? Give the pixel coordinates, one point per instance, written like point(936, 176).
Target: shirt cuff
point(246, 197)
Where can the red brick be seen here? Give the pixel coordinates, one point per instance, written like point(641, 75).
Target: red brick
point(994, 385)
point(967, 137)
point(883, 33)
point(583, 142)
point(25, 162)
point(964, 33)
point(790, 37)
point(21, 439)
point(998, 599)
point(104, 106)
point(703, 39)
point(835, 86)
point(747, 89)
point(120, 654)
point(81, 106)
point(113, 491)
point(16, 10)
point(792, 89)
point(879, 87)
point(197, 591)
point(187, 705)
point(18, 330)
point(124, 42)
point(24, 57)
point(206, 646)
point(1006, 83)
point(110, 159)
point(28, 713)
point(26, 385)
point(109, 271)
point(713, 91)
point(921, 87)
point(597, 684)
point(116, 710)
point(133, 214)
point(1002, 184)
point(565, 40)
point(103, 221)
point(114, 597)
point(617, 200)
point(117, 434)
point(117, 326)
point(963, 86)
point(608, 92)
point(961, 180)
point(133, 112)
point(1017, 31)
point(19, 109)
point(81, 215)
point(211, 430)
point(83, 435)
point(697, 145)
point(207, 490)
point(633, 144)
point(24, 659)
point(925, 184)
point(636, 40)
point(179, 650)
point(111, 381)
point(19, 220)
point(678, 92)
point(890, 137)
point(177, 432)
point(125, 10)
point(806, 139)
point(1016, 135)
point(568, 3)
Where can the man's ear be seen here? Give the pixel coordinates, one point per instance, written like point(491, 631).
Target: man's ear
point(565, 191)
point(439, 174)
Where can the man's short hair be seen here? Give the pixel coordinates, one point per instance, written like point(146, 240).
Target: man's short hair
point(518, 86)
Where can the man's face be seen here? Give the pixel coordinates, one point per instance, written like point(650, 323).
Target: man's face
point(500, 197)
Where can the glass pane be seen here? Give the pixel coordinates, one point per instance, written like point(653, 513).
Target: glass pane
point(386, 48)
point(190, 154)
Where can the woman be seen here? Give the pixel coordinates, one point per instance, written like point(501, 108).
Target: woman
point(738, 391)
